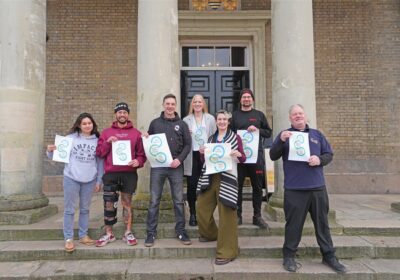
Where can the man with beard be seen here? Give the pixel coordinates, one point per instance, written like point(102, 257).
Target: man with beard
point(250, 119)
point(119, 178)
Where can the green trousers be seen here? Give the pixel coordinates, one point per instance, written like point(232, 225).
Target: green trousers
point(226, 233)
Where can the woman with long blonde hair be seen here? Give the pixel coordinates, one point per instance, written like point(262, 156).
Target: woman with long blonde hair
point(201, 125)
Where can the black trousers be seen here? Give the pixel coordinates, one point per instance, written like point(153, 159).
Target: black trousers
point(192, 181)
point(296, 206)
point(256, 173)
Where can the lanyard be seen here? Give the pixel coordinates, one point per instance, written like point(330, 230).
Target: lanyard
point(201, 122)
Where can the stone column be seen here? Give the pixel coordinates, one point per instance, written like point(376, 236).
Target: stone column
point(22, 94)
point(293, 79)
point(157, 75)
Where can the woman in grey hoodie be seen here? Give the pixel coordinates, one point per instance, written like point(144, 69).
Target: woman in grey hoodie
point(82, 176)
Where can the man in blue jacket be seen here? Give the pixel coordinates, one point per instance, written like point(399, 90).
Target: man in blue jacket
point(305, 190)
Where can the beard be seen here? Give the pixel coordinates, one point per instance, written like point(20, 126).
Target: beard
point(122, 120)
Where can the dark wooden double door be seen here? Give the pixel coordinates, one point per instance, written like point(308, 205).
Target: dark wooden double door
point(220, 88)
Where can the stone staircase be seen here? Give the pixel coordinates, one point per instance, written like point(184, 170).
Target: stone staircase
point(370, 251)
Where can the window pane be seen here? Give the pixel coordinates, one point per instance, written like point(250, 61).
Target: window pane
point(238, 56)
point(206, 56)
point(222, 56)
point(189, 56)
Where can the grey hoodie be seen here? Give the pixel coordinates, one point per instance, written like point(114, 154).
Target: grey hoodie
point(83, 164)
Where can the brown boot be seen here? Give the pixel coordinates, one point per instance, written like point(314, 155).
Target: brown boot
point(87, 240)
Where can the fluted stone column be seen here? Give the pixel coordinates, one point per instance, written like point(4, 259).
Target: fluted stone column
point(158, 75)
point(22, 94)
point(293, 79)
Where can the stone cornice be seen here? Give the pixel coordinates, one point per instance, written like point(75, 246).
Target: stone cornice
point(223, 15)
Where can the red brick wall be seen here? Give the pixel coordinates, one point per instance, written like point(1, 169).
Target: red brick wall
point(357, 66)
point(91, 63)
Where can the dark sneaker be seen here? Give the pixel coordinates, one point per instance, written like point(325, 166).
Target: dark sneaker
point(192, 220)
point(149, 242)
point(239, 220)
point(203, 239)
point(184, 238)
point(259, 221)
point(290, 264)
point(222, 261)
point(333, 263)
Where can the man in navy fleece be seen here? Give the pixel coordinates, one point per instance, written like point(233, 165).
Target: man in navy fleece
point(305, 191)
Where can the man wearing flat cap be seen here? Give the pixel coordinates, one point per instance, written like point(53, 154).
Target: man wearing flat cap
point(119, 179)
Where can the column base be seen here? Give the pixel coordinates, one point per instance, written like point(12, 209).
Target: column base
point(23, 209)
point(140, 206)
point(276, 213)
point(26, 217)
point(395, 206)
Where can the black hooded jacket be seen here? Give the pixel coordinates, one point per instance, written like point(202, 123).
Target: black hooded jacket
point(177, 133)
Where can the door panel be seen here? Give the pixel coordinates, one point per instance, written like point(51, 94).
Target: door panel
point(228, 87)
point(197, 82)
point(220, 88)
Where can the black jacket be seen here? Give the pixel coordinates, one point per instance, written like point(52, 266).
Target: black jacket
point(241, 120)
point(177, 133)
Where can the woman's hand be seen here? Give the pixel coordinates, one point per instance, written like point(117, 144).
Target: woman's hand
point(235, 153)
point(201, 149)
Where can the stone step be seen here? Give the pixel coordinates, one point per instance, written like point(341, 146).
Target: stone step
point(195, 269)
point(166, 230)
point(347, 247)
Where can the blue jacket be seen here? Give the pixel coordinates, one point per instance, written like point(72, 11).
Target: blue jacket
point(299, 175)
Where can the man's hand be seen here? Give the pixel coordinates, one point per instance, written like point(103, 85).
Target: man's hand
point(112, 139)
point(134, 163)
point(97, 187)
point(175, 163)
point(285, 135)
point(145, 134)
point(51, 148)
point(314, 161)
point(252, 128)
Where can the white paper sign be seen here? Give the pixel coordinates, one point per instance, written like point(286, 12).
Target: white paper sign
point(199, 138)
point(299, 147)
point(121, 152)
point(63, 150)
point(250, 144)
point(217, 157)
point(157, 150)
point(269, 172)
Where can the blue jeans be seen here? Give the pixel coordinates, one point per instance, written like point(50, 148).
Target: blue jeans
point(157, 179)
point(73, 191)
